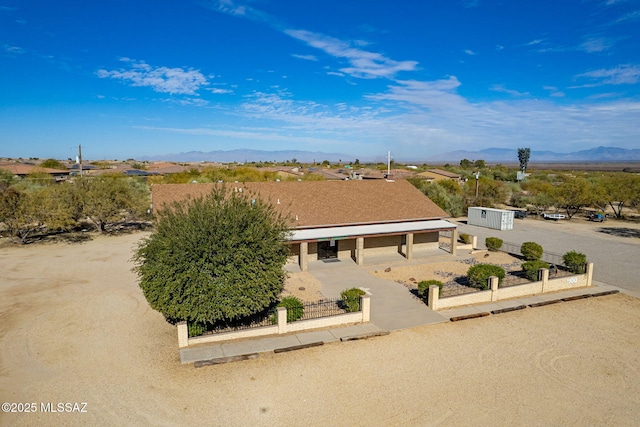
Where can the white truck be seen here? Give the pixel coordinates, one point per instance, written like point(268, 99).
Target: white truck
point(554, 217)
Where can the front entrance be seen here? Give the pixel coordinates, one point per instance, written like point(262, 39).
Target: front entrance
point(328, 249)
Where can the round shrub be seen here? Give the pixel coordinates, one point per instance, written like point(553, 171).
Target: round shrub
point(531, 268)
point(575, 261)
point(423, 288)
point(351, 299)
point(294, 306)
point(531, 251)
point(479, 274)
point(465, 238)
point(493, 243)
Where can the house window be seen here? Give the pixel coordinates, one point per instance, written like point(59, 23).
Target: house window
point(483, 213)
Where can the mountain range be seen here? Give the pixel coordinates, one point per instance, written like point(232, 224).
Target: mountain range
point(492, 155)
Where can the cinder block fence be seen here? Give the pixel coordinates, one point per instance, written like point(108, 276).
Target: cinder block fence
point(282, 326)
point(496, 294)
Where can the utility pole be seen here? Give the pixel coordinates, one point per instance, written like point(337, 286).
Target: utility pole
point(477, 174)
point(388, 164)
point(80, 159)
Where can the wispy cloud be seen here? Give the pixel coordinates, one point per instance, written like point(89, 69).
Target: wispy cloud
point(8, 9)
point(363, 64)
point(554, 92)
point(622, 74)
point(534, 42)
point(469, 52)
point(629, 17)
point(596, 44)
point(305, 57)
point(219, 91)
point(160, 79)
point(501, 88)
point(12, 49)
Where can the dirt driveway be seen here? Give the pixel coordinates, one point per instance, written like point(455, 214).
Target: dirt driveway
point(74, 327)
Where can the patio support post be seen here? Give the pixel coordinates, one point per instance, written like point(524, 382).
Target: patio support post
point(454, 241)
point(304, 251)
point(409, 249)
point(590, 274)
point(360, 251)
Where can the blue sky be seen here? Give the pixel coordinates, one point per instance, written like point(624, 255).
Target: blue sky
point(129, 78)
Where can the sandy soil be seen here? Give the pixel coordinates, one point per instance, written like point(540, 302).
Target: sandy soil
point(447, 271)
point(74, 327)
point(304, 286)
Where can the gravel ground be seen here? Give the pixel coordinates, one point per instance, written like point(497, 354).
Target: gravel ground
point(74, 327)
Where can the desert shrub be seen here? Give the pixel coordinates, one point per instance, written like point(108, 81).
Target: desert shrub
point(479, 274)
point(531, 251)
point(575, 261)
point(465, 238)
point(294, 306)
point(423, 288)
point(351, 299)
point(493, 243)
point(531, 268)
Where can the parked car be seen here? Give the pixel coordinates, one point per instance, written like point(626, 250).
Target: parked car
point(554, 217)
point(597, 217)
point(519, 214)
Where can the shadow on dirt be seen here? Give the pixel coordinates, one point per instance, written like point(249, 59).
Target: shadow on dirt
point(621, 231)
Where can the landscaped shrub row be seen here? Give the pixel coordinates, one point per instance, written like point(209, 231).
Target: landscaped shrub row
point(294, 306)
point(531, 268)
point(351, 299)
point(493, 243)
point(531, 251)
point(479, 274)
point(423, 288)
point(575, 261)
point(465, 238)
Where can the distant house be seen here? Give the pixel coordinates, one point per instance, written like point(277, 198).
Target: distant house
point(342, 219)
point(439, 175)
point(21, 170)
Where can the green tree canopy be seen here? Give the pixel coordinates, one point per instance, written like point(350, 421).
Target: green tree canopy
point(523, 157)
point(53, 164)
point(216, 259)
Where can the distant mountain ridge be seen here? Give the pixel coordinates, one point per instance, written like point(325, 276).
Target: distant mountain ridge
point(598, 154)
point(245, 155)
point(493, 155)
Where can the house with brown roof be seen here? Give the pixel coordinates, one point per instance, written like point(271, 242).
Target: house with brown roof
point(21, 170)
point(341, 219)
point(439, 175)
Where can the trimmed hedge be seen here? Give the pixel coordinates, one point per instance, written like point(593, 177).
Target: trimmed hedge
point(531, 268)
point(479, 274)
point(423, 288)
point(531, 251)
point(575, 261)
point(493, 243)
point(351, 299)
point(294, 306)
point(465, 238)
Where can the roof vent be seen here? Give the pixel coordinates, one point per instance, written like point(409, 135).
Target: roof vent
point(278, 201)
point(296, 217)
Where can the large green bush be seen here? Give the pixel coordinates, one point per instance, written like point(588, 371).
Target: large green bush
point(214, 260)
point(493, 243)
point(294, 306)
point(351, 299)
point(531, 268)
point(575, 261)
point(479, 274)
point(531, 251)
point(423, 288)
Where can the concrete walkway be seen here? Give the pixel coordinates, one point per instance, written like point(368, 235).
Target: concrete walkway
point(393, 307)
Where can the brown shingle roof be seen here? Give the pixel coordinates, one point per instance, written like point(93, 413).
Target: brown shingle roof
point(444, 173)
point(21, 169)
point(325, 203)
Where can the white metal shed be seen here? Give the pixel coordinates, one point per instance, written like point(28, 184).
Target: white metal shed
point(498, 219)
